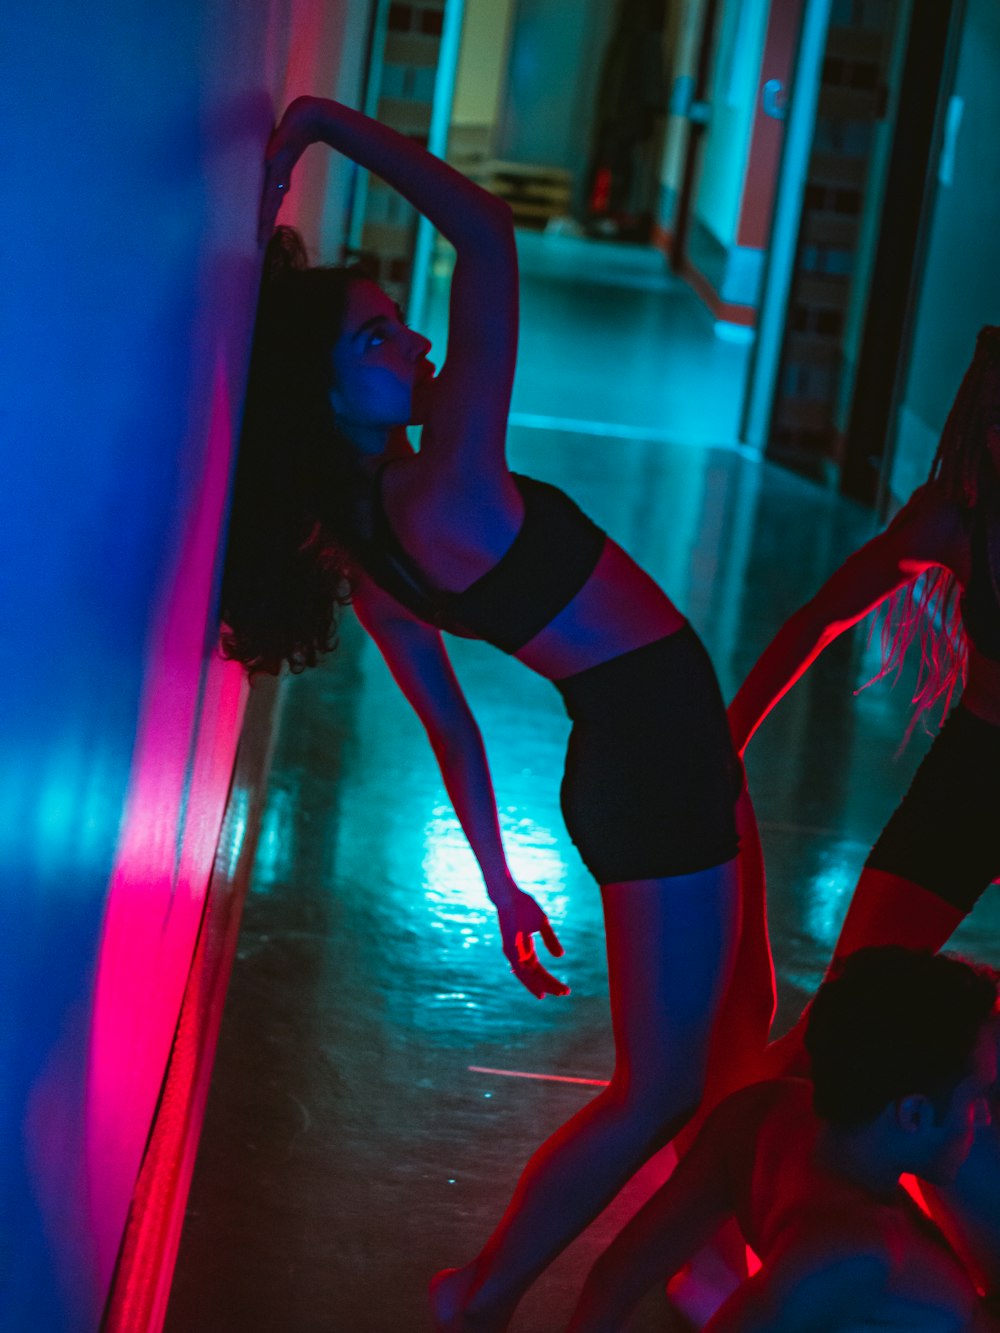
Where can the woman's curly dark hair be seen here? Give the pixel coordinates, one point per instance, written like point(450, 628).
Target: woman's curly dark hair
point(288, 569)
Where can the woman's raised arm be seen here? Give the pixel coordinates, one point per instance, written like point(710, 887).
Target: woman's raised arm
point(472, 393)
point(463, 212)
point(922, 534)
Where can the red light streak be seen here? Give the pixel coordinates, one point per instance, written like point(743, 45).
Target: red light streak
point(546, 1078)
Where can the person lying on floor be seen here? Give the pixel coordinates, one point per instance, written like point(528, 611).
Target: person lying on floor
point(904, 1065)
point(968, 1208)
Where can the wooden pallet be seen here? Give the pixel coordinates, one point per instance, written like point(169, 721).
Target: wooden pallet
point(536, 194)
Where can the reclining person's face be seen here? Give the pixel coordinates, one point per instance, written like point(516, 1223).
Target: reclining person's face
point(950, 1139)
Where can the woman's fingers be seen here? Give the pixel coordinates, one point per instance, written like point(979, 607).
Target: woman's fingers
point(536, 978)
point(551, 942)
point(540, 982)
point(525, 947)
point(275, 190)
point(518, 929)
point(544, 983)
point(278, 164)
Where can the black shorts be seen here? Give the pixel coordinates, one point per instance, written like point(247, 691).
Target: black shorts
point(945, 834)
point(651, 775)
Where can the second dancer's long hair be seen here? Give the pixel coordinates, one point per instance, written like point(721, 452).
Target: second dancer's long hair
point(928, 609)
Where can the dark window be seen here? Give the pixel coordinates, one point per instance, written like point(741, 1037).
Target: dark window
point(833, 70)
point(829, 322)
point(847, 201)
point(815, 197)
point(864, 76)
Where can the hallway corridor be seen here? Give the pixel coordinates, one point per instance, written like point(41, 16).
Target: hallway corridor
point(350, 1148)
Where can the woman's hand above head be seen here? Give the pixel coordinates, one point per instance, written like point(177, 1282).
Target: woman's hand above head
point(467, 411)
point(520, 919)
point(297, 129)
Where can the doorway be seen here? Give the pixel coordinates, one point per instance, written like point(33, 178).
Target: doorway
point(822, 386)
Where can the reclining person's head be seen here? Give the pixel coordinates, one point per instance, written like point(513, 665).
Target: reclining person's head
point(904, 1041)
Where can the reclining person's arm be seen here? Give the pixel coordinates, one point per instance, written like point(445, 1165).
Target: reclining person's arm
point(815, 1283)
point(681, 1217)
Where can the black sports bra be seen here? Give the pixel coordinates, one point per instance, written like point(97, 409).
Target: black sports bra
point(980, 604)
point(550, 559)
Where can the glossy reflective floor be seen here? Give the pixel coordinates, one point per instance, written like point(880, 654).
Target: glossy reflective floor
point(349, 1150)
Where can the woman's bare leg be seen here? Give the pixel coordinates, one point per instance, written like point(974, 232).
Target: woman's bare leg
point(671, 946)
point(745, 1015)
point(738, 1042)
point(885, 909)
point(888, 909)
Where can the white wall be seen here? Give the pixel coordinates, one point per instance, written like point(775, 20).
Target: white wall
point(482, 61)
point(553, 73)
point(685, 25)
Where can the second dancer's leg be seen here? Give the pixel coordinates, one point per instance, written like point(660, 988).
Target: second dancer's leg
point(885, 909)
point(932, 861)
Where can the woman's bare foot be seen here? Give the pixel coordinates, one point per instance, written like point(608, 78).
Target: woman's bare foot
point(449, 1293)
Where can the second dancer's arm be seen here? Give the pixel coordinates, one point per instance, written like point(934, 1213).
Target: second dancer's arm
point(923, 534)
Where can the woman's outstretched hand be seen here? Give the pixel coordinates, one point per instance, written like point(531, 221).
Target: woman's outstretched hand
point(293, 134)
point(520, 918)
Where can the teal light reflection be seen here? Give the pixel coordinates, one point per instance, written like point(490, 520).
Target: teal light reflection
point(829, 891)
point(233, 833)
point(453, 885)
point(276, 846)
point(466, 946)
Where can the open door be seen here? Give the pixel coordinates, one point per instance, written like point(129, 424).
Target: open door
point(844, 236)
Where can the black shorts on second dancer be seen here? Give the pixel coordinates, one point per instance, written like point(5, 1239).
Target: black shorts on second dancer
point(945, 834)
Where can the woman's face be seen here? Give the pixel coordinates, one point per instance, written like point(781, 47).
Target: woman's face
point(380, 366)
point(969, 1109)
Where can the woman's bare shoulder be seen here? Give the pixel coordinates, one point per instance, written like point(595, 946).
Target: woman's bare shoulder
point(933, 525)
point(933, 501)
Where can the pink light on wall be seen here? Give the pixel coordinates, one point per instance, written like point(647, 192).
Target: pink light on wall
point(300, 57)
point(189, 723)
point(140, 270)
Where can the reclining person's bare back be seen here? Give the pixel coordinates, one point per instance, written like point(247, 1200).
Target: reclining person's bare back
point(835, 1253)
point(841, 1250)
